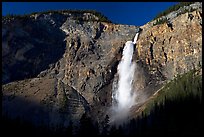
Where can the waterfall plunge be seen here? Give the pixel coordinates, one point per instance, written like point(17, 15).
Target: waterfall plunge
point(123, 94)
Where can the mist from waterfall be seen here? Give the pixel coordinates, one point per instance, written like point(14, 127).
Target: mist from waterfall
point(123, 95)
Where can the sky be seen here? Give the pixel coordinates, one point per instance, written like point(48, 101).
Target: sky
point(130, 13)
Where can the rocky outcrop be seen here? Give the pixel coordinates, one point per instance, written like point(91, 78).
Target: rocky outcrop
point(67, 62)
point(172, 50)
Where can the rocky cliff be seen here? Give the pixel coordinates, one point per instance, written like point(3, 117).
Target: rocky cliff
point(56, 66)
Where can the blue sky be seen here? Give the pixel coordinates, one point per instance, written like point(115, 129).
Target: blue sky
point(131, 13)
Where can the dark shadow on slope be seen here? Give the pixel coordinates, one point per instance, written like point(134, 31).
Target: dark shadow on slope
point(14, 107)
point(15, 122)
point(25, 118)
point(36, 120)
point(40, 45)
point(17, 127)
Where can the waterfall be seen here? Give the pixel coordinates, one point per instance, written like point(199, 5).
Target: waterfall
point(123, 94)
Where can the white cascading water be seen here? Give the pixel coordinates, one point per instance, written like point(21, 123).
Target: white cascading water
point(123, 94)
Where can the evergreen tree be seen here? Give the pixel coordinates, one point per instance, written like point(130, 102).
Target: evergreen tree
point(86, 126)
point(69, 129)
point(106, 126)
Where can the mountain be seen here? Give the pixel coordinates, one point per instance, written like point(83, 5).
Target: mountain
point(58, 65)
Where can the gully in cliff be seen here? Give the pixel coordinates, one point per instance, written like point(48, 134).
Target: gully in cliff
point(138, 31)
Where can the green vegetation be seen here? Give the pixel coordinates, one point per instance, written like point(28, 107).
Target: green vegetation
point(173, 8)
point(76, 14)
point(182, 87)
point(160, 21)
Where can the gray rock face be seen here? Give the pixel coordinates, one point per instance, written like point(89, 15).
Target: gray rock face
point(77, 60)
point(196, 5)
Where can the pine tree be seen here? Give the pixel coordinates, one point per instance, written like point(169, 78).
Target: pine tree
point(86, 126)
point(106, 126)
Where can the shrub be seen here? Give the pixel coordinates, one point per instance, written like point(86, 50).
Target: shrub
point(160, 21)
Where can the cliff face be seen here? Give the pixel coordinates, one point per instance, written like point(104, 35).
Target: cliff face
point(69, 62)
point(173, 48)
point(66, 66)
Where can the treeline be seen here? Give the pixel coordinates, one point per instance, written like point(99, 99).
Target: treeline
point(175, 110)
point(182, 86)
point(87, 127)
point(173, 8)
point(180, 118)
point(101, 17)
